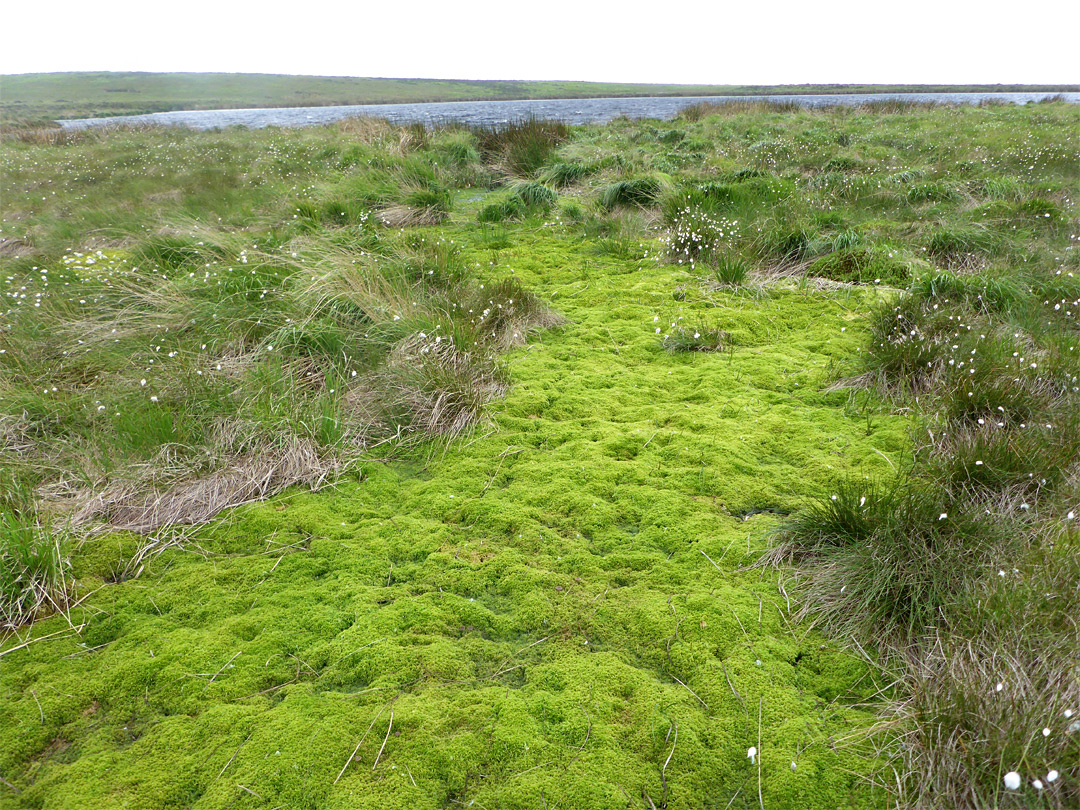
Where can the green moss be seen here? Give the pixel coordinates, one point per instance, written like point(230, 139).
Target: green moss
point(528, 601)
point(876, 264)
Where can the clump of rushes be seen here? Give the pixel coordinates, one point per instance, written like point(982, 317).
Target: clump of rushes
point(534, 195)
point(561, 175)
point(997, 693)
point(639, 191)
point(520, 147)
point(34, 569)
point(888, 562)
point(699, 338)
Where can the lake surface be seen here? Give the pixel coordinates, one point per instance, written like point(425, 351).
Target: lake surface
point(573, 111)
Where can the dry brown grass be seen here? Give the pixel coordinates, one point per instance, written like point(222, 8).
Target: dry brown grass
point(16, 436)
point(13, 248)
point(45, 136)
point(139, 506)
point(366, 129)
point(404, 216)
point(57, 136)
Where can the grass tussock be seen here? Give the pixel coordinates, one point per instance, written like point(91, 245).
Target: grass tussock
point(888, 562)
point(639, 192)
point(858, 264)
point(34, 569)
point(996, 695)
point(521, 148)
point(699, 338)
point(408, 216)
point(433, 387)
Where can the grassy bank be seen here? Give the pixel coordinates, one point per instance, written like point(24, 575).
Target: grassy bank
point(574, 390)
point(46, 96)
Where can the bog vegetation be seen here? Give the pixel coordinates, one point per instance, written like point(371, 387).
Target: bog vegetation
point(725, 461)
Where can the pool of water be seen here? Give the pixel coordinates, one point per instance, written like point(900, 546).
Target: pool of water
point(573, 111)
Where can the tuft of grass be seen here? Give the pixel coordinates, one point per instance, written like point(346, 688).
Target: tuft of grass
point(534, 195)
point(1013, 466)
point(561, 175)
point(34, 569)
point(699, 338)
point(977, 293)
point(788, 243)
point(891, 561)
point(843, 163)
point(408, 216)
point(501, 211)
point(932, 192)
point(509, 314)
point(1002, 188)
point(572, 211)
point(432, 386)
point(521, 147)
point(998, 693)
point(639, 191)
point(730, 269)
point(962, 246)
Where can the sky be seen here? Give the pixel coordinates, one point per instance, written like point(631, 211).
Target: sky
point(704, 42)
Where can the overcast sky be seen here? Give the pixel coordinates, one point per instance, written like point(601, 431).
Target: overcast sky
point(920, 41)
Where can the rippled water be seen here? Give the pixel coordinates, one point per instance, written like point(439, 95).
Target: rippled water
point(574, 111)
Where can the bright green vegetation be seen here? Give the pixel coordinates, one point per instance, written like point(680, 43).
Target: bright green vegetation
point(43, 96)
point(538, 577)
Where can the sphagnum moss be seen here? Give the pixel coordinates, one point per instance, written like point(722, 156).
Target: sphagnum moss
point(534, 607)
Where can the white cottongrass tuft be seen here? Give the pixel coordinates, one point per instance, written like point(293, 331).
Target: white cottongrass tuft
point(1012, 780)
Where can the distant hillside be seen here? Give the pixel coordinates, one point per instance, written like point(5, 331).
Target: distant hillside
point(39, 96)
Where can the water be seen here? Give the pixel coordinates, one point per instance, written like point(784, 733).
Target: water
point(573, 111)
